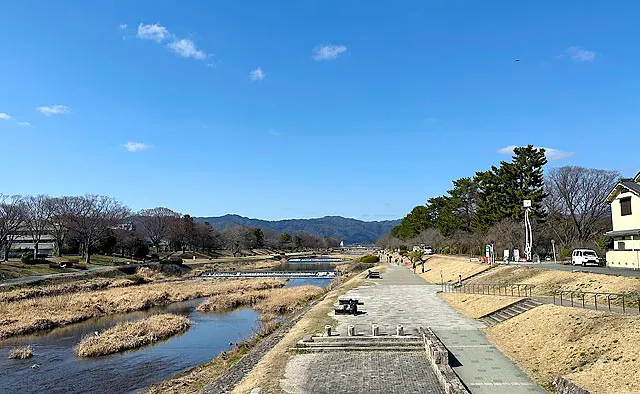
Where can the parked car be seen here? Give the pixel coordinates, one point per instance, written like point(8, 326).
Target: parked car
point(584, 257)
point(428, 250)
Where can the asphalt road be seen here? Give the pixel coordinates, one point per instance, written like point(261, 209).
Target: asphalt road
point(27, 279)
point(577, 268)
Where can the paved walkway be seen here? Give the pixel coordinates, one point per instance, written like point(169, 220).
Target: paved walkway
point(401, 297)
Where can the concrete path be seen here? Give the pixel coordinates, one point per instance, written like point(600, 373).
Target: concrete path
point(401, 297)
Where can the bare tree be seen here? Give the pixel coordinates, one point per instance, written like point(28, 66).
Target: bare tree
point(37, 215)
point(12, 215)
point(57, 222)
point(90, 215)
point(507, 234)
point(156, 223)
point(576, 202)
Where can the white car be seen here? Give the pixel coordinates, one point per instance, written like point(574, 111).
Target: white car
point(584, 256)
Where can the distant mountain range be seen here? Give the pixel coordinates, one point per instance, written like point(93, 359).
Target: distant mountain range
point(349, 230)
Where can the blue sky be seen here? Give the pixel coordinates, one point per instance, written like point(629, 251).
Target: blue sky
point(303, 109)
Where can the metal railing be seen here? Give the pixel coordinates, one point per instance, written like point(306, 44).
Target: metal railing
point(504, 289)
point(578, 298)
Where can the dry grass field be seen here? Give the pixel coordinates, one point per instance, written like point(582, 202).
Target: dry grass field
point(31, 315)
point(450, 267)
point(599, 351)
point(132, 335)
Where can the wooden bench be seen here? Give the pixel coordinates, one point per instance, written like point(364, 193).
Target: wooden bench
point(373, 275)
point(348, 307)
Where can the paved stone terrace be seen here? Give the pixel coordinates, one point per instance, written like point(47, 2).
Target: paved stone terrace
point(401, 297)
point(360, 373)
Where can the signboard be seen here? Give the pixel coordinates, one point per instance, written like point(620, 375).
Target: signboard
point(506, 254)
point(487, 250)
point(527, 203)
point(516, 255)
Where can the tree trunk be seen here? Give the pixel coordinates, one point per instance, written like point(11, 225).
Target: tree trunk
point(88, 250)
point(35, 251)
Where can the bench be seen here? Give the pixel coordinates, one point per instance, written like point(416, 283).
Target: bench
point(348, 307)
point(373, 275)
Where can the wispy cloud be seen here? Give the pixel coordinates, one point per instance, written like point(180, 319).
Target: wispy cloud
point(4, 116)
point(552, 154)
point(135, 146)
point(155, 32)
point(579, 54)
point(123, 26)
point(183, 47)
point(56, 109)
point(328, 52)
point(186, 48)
point(24, 124)
point(257, 74)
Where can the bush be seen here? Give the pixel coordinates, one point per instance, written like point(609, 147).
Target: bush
point(174, 260)
point(155, 257)
point(369, 259)
point(27, 258)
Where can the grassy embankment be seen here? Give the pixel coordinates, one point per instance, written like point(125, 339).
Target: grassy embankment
point(270, 369)
point(32, 315)
point(447, 268)
point(132, 335)
point(595, 349)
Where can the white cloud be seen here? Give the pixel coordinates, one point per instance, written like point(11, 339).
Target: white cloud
point(186, 48)
point(328, 52)
point(579, 54)
point(4, 116)
point(551, 153)
point(56, 109)
point(135, 146)
point(123, 27)
point(257, 74)
point(24, 124)
point(155, 32)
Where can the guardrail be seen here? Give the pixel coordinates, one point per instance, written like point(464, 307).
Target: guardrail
point(578, 298)
point(504, 289)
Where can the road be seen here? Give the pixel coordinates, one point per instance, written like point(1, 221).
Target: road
point(596, 270)
point(27, 279)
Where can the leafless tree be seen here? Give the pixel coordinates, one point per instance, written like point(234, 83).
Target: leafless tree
point(12, 216)
point(233, 239)
point(37, 214)
point(576, 202)
point(57, 222)
point(90, 215)
point(507, 234)
point(156, 223)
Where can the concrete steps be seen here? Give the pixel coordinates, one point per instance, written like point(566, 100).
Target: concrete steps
point(510, 311)
point(318, 344)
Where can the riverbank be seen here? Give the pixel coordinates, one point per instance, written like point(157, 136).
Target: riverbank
point(32, 315)
point(132, 335)
point(264, 356)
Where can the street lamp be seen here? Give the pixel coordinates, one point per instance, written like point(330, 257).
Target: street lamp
point(553, 247)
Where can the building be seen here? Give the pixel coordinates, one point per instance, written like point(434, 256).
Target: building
point(625, 214)
point(22, 242)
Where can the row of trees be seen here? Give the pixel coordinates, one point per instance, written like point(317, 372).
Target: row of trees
point(568, 206)
point(84, 224)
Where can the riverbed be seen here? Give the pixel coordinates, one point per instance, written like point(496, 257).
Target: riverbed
point(60, 371)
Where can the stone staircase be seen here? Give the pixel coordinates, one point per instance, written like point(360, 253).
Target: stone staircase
point(509, 311)
point(318, 344)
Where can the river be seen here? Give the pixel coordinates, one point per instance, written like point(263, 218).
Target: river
point(60, 371)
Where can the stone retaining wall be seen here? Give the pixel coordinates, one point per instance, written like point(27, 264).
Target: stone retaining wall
point(438, 355)
point(566, 386)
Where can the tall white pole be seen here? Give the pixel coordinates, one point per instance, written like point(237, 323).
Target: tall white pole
point(527, 235)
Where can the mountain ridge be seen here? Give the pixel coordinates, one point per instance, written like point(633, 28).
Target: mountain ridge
point(347, 229)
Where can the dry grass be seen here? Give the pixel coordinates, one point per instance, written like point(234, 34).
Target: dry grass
point(476, 306)
point(21, 353)
point(28, 316)
point(64, 288)
point(132, 335)
point(547, 281)
point(597, 350)
point(450, 267)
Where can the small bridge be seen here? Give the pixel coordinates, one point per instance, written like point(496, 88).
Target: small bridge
point(271, 274)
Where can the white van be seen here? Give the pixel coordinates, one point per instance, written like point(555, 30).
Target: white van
point(584, 256)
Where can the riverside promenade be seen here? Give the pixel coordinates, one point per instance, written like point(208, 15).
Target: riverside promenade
point(401, 297)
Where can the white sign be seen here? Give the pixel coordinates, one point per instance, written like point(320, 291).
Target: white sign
point(516, 255)
point(527, 203)
point(506, 254)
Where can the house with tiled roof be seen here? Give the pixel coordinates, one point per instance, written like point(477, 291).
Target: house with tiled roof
point(625, 214)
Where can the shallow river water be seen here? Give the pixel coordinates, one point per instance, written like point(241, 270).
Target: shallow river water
point(60, 371)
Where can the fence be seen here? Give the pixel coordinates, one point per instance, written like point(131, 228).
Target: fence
point(504, 289)
point(578, 298)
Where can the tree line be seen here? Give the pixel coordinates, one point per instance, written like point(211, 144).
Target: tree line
point(95, 223)
point(568, 207)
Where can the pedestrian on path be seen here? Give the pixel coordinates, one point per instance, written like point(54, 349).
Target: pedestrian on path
point(414, 267)
point(459, 280)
